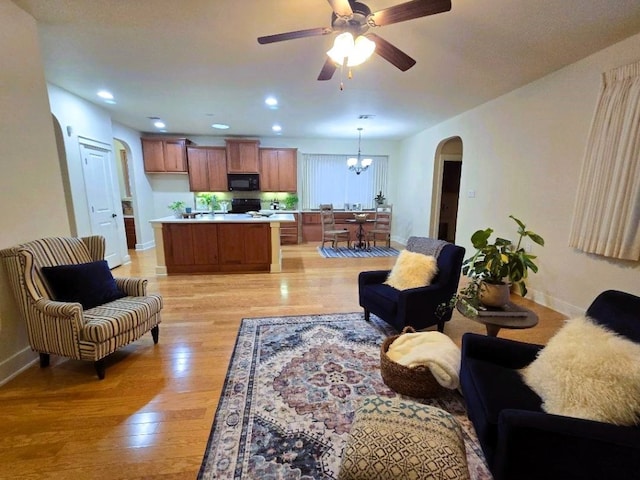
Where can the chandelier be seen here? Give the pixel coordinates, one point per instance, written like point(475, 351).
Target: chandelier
point(359, 164)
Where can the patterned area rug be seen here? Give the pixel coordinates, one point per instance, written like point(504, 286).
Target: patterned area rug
point(344, 252)
point(292, 387)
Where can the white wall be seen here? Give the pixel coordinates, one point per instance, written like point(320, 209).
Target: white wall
point(30, 182)
point(80, 119)
point(522, 155)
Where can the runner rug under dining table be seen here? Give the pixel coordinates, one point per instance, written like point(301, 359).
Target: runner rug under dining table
point(344, 252)
point(292, 387)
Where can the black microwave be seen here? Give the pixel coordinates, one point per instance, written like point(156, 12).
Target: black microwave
point(243, 182)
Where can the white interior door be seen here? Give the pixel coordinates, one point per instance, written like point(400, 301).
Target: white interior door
point(97, 167)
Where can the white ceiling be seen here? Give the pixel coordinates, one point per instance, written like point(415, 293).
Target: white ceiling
point(197, 62)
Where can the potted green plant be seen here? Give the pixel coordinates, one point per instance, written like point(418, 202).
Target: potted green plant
point(177, 207)
point(209, 200)
point(496, 265)
point(291, 201)
point(379, 199)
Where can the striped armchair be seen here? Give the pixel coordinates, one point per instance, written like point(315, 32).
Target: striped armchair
point(64, 328)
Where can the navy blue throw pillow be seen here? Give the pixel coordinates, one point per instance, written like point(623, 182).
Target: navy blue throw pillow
point(90, 284)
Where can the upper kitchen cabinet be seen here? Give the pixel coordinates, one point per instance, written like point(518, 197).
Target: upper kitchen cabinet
point(278, 169)
point(242, 155)
point(165, 155)
point(207, 169)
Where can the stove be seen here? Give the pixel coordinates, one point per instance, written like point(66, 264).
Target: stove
point(244, 205)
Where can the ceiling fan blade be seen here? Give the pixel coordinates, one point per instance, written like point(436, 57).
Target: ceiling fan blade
point(391, 54)
point(341, 7)
point(328, 69)
point(279, 37)
point(408, 11)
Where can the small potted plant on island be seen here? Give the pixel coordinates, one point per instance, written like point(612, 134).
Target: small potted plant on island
point(177, 208)
point(497, 266)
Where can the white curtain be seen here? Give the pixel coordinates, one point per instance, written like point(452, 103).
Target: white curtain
point(607, 211)
point(326, 179)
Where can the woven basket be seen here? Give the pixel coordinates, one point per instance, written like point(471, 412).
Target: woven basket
point(416, 382)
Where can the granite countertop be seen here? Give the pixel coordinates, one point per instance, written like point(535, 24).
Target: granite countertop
point(227, 218)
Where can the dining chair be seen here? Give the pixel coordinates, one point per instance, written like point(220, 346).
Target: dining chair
point(329, 230)
point(381, 226)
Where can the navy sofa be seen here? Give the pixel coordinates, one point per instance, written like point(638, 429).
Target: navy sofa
point(520, 441)
point(415, 307)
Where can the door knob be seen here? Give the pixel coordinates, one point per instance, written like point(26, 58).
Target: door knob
point(113, 215)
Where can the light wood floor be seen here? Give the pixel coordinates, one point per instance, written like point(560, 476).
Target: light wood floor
point(150, 417)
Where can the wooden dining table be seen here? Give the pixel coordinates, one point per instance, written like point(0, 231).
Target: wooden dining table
point(361, 235)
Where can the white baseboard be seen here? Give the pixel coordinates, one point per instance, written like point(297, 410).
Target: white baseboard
point(16, 364)
point(556, 304)
point(146, 245)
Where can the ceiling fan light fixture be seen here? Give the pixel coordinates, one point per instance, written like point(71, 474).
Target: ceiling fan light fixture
point(342, 47)
point(356, 52)
point(363, 48)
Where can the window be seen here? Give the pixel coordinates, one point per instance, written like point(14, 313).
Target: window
point(326, 179)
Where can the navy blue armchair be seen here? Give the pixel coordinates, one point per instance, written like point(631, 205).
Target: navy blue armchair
point(415, 307)
point(520, 441)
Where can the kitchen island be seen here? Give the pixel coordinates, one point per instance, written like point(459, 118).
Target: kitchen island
point(218, 243)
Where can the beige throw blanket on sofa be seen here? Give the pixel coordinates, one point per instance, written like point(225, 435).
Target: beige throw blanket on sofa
point(431, 349)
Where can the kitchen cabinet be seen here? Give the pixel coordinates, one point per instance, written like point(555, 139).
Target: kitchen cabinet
point(242, 155)
point(130, 231)
point(190, 248)
point(207, 169)
point(211, 247)
point(244, 247)
point(290, 232)
point(165, 155)
point(278, 169)
point(311, 227)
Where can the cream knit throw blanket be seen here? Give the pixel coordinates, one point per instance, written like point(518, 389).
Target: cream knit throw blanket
point(431, 349)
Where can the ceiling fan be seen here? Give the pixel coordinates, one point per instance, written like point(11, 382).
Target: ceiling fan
point(355, 18)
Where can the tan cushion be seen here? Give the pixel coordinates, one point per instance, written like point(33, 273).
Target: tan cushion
point(587, 371)
point(412, 270)
point(396, 439)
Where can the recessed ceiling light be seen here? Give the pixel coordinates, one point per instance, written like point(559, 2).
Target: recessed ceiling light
point(106, 95)
point(220, 126)
point(159, 124)
point(271, 101)
point(276, 128)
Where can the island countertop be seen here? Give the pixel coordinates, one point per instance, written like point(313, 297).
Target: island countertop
point(227, 218)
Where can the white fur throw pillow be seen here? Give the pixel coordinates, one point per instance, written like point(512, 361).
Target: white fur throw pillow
point(412, 270)
point(587, 371)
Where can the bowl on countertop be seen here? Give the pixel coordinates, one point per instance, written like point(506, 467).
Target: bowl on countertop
point(261, 213)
